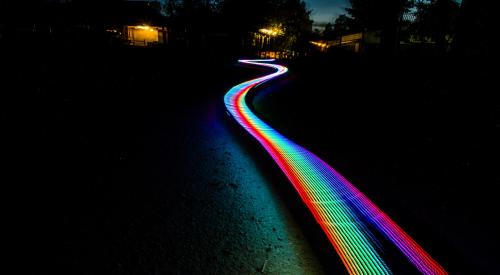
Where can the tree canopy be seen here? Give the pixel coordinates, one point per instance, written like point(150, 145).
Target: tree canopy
point(384, 16)
point(239, 17)
point(436, 20)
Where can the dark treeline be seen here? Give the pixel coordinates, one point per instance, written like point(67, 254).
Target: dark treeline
point(445, 25)
point(476, 28)
point(238, 18)
point(189, 21)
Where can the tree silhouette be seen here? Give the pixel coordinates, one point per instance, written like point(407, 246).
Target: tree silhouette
point(476, 28)
point(344, 24)
point(292, 16)
point(384, 16)
point(436, 20)
point(242, 16)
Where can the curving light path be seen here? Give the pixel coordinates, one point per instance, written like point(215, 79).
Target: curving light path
point(342, 211)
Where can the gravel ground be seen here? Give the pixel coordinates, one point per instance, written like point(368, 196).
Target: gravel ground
point(226, 215)
point(119, 170)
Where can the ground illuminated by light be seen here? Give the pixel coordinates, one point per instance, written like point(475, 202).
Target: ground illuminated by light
point(345, 214)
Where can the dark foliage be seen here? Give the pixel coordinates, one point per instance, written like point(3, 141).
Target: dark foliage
point(380, 15)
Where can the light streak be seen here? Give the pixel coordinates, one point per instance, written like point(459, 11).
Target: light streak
point(342, 211)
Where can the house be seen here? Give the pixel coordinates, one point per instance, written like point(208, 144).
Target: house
point(352, 42)
point(145, 35)
point(140, 23)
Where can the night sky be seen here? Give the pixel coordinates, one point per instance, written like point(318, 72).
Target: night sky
point(326, 10)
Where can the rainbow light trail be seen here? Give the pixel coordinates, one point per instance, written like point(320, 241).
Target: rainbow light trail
point(342, 211)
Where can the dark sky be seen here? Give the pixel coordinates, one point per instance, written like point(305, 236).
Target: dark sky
point(323, 10)
point(326, 10)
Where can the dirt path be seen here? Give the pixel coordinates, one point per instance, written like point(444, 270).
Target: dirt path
point(224, 216)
